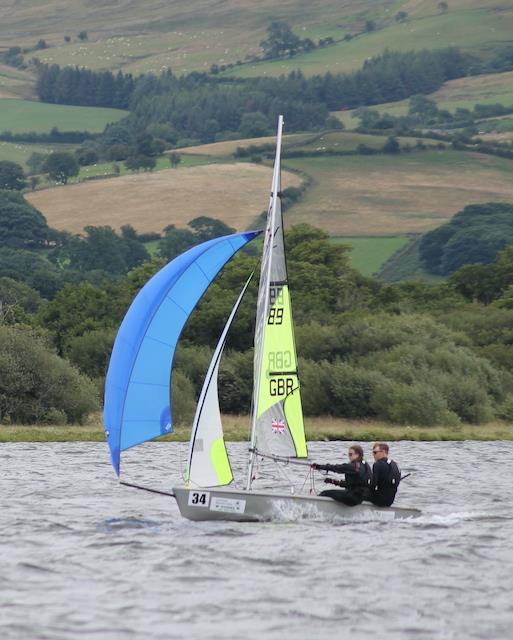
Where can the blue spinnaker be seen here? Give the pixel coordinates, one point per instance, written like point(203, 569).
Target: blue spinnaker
point(137, 389)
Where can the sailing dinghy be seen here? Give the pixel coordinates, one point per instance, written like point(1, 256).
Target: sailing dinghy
point(138, 395)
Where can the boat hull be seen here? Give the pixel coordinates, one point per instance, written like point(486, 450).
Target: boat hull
point(261, 506)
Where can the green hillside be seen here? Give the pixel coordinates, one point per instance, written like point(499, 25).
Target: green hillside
point(141, 36)
point(19, 116)
point(462, 93)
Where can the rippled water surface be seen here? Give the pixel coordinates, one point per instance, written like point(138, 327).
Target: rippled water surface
point(81, 556)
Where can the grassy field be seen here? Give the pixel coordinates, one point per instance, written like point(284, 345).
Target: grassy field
point(461, 93)
point(228, 147)
point(234, 192)
point(18, 116)
point(377, 195)
point(20, 153)
point(369, 254)
point(141, 36)
point(470, 26)
point(389, 195)
point(322, 428)
point(15, 83)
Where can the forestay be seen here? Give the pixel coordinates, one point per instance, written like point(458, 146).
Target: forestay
point(138, 385)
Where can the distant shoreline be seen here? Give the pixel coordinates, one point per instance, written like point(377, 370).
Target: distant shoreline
point(236, 430)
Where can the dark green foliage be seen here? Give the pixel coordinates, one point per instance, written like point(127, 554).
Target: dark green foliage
point(254, 125)
point(175, 242)
point(140, 162)
point(206, 228)
point(22, 226)
point(11, 176)
point(474, 235)
point(184, 405)
point(14, 293)
point(60, 166)
point(280, 41)
point(101, 248)
point(74, 85)
point(35, 383)
point(86, 156)
point(36, 162)
point(32, 269)
point(392, 145)
point(90, 352)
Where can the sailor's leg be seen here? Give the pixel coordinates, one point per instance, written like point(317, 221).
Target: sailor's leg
point(341, 495)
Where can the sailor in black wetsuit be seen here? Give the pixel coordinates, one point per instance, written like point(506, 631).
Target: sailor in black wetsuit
point(386, 477)
point(357, 478)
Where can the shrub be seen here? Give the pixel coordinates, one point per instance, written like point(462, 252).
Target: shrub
point(34, 380)
point(182, 394)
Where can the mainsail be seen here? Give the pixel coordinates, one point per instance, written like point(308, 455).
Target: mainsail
point(277, 421)
point(209, 465)
point(138, 385)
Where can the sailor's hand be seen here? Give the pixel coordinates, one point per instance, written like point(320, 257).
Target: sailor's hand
point(314, 466)
point(330, 481)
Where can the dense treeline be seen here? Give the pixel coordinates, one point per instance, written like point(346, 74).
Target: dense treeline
point(407, 353)
point(202, 107)
point(473, 235)
point(78, 86)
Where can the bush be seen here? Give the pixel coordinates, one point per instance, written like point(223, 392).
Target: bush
point(351, 390)
point(417, 404)
point(90, 352)
point(35, 381)
point(182, 394)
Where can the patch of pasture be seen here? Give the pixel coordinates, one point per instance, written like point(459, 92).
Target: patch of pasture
point(20, 153)
point(369, 253)
point(397, 194)
point(234, 193)
point(21, 116)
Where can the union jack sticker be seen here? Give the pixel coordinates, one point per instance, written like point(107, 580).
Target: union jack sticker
point(278, 426)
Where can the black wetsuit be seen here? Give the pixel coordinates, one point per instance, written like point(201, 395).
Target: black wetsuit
point(355, 483)
point(386, 476)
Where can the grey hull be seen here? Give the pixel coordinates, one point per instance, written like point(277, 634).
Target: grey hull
point(259, 506)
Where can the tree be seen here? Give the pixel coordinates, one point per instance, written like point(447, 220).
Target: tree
point(391, 145)
point(36, 161)
point(11, 176)
point(101, 248)
point(135, 163)
point(401, 16)
point(175, 159)
point(254, 125)
point(443, 7)
point(36, 385)
point(280, 40)
point(83, 36)
point(21, 225)
point(61, 166)
point(206, 228)
point(370, 25)
point(175, 242)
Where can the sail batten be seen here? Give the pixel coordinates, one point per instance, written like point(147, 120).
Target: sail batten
point(137, 388)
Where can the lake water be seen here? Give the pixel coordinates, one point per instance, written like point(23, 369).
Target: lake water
point(82, 557)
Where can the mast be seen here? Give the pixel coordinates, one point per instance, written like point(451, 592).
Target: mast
point(264, 289)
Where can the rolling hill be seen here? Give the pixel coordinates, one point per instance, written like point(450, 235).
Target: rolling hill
point(139, 36)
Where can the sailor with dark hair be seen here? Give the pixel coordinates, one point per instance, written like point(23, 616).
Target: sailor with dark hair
point(357, 474)
point(386, 477)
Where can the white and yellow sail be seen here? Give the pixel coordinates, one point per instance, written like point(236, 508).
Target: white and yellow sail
point(277, 421)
